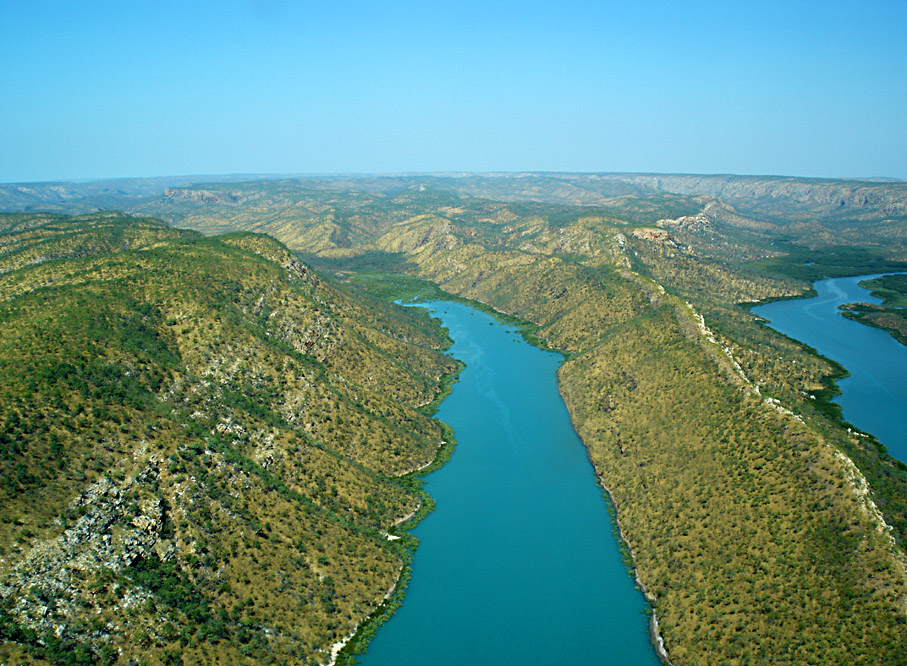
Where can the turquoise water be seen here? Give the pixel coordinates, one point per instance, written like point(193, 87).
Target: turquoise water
point(518, 563)
point(874, 396)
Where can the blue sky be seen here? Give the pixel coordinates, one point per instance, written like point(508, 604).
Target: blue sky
point(103, 89)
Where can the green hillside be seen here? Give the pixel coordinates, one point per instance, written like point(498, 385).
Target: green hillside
point(199, 446)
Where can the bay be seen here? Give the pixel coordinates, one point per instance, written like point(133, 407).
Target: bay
point(518, 563)
point(874, 396)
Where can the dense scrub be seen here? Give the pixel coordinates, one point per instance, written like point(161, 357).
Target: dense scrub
point(197, 442)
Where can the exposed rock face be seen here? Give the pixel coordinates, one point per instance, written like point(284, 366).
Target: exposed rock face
point(657, 236)
point(700, 222)
point(51, 582)
point(205, 196)
point(714, 215)
point(815, 196)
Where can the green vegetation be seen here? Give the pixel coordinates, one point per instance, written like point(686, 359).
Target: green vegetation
point(892, 289)
point(891, 314)
point(396, 287)
point(199, 446)
point(808, 265)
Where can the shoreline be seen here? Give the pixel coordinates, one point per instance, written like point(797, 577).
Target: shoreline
point(357, 642)
point(443, 455)
point(824, 398)
point(524, 329)
point(655, 637)
point(337, 647)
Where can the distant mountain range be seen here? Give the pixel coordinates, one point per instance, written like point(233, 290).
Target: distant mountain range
point(831, 198)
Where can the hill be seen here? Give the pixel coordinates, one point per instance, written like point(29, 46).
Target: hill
point(810, 211)
point(202, 448)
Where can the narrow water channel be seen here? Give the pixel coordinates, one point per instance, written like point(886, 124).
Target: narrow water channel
point(518, 563)
point(874, 396)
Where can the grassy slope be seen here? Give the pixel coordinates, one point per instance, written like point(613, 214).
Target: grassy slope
point(196, 443)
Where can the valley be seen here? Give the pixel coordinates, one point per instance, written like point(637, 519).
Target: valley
point(200, 392)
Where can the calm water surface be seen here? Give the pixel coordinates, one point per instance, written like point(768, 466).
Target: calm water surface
point(874, 396)
point(518, 563)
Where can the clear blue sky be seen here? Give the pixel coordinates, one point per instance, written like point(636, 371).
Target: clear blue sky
point(129, 88)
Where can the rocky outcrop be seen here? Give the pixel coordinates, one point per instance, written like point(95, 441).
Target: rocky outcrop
point(118, 526)
point(657, 236)
point(205, 196)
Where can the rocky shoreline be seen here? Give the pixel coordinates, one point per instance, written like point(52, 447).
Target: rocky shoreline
point(655, 636)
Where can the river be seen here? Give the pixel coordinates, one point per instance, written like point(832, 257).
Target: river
point(518, 563)
point(874, 396)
